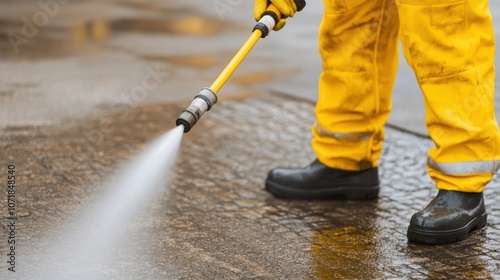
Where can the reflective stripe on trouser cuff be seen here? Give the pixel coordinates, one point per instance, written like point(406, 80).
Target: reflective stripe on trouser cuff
point(345, 136)
point(465, 168)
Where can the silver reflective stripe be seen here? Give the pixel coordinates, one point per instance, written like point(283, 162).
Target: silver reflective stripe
point(347, 136)
point(465, 168)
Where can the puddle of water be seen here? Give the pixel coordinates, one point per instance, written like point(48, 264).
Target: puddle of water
point(260, 77)
point(253, 78)
point(59, 40)
point(190, 25)
point(149, 6)
point(100, 233)
point(52, 41)
point(337, 253)
point(196, 61)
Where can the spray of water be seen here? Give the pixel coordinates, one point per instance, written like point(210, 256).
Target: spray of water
point(138, 184)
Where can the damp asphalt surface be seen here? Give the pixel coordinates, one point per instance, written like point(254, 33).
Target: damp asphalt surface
point(87, 90)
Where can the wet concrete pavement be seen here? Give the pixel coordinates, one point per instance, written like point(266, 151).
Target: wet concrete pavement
point(104, 78)
point(217, 221)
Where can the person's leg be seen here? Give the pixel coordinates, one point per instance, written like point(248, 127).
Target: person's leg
point(359, 46)
point(450, 46)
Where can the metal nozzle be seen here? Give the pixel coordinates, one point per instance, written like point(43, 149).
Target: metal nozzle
point(202, 103)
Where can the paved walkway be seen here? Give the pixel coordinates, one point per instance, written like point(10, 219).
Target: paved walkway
point(217, 221)
point(103, 78)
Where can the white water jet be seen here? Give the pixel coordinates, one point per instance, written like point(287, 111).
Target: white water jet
point(89, 245)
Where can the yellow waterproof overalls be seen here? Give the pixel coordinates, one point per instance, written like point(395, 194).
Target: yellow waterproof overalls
point(450, 46)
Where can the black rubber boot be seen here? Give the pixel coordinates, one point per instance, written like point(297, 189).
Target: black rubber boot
point(318, 181)
point(448, 218)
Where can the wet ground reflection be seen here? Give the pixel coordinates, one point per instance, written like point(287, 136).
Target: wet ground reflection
point(217, 221)
point(469, 264)
point(19, 39)
point(346, 252)
point(196, 61)
point(192, 25)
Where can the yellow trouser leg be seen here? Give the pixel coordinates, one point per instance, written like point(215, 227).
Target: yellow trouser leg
point(358, 44)
point(450, 46)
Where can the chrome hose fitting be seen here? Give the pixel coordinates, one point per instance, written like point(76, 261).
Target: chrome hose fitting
point(202, 103)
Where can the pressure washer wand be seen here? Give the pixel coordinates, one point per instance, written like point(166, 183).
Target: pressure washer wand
point(207, 97)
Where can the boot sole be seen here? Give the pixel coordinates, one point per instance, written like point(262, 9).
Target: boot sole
point(344, 193)
point(435, 237)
